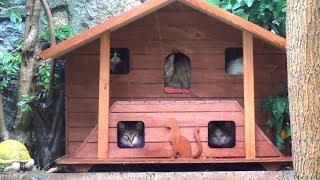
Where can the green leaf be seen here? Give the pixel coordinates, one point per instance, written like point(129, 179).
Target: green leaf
point(241, 13)
point(287, 129)
point(215, 2)
point(15, 15)
point(249, 2)
point(280, 143)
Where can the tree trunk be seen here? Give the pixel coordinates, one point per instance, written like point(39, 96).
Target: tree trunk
point(303, 38)
point(30, 51)
point(3, 130)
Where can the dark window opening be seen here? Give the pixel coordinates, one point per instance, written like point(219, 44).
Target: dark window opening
point(221, 134)
point(130, 134)
point(177, 72)
point(119, 61)
point(234, 61)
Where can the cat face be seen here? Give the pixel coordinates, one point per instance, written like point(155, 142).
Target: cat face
point(130, 136)
point(221, 139)
point(116, 58)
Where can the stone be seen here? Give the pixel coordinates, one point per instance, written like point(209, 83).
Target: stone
point(10, 34)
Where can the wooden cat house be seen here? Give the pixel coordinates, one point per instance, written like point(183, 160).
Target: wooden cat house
point(99, 95)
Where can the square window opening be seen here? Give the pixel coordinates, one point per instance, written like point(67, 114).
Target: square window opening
point(221, 134)
point(119, 61)
point(234, 61)
point(130, 134)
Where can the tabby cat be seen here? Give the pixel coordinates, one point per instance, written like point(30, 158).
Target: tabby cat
point(177, 71)
point(115, 61)
point(221, 135)
point(131, 134)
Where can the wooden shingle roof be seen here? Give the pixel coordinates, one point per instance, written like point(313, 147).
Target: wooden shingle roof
point(150, 6)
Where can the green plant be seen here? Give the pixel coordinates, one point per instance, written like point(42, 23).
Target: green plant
point(24, 103)
point(44, 75)
point(62, 33)
point(270, 14)
point(15, 15)
point(277, 108)
point(9, 67)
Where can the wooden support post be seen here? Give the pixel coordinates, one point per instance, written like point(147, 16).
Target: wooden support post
point(248, 81)
point(104, 80)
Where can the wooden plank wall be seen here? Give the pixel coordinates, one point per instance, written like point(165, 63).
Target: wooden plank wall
point(150, 40)
point(155, 116)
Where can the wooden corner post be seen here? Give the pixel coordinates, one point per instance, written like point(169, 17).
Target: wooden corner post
point(104, 81)
point(248, 81)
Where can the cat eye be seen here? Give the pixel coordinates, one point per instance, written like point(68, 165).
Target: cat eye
point(221, 134)
point(130, 134)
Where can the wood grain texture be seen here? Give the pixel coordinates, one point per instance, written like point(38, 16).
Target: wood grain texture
point(151, 6)
point(104, 95)
point(152, 134)
point(157, 143)
point(236, 21)
point(109, 25)
point(70, 160)
point(164, 150)
point(248, 81)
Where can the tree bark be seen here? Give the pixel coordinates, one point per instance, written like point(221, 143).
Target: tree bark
point(52, 43)
point(303, 49)
point(3, 130)
point(30, 51)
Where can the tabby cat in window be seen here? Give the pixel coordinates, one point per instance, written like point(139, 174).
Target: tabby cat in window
point(177, 71)
point(130, 135)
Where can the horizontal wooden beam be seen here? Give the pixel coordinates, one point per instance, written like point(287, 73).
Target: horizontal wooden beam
point(70, 160)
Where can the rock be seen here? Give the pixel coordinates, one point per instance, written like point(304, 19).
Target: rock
point(87, 13)
point(10, 34)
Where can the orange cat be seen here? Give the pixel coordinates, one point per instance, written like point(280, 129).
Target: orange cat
point(180, 144)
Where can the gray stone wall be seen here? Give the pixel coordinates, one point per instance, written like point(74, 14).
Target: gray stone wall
point(79, 14)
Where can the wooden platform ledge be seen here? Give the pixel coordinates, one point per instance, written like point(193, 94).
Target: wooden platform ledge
point(70, 160)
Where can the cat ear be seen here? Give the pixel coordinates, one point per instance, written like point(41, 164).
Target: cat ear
point(171, 58)
point(139, 125)
point(121, 126)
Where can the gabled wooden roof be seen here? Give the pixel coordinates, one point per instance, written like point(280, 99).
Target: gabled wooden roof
point(151, 6)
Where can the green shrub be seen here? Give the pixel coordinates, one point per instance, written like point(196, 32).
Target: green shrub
point(269, 14)
point(277, 108)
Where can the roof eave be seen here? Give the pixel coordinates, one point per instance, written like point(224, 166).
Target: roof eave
point(125, 18)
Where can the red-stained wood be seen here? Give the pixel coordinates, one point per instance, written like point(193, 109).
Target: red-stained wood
point(157, 143)
point(104, 95)
point(202, 90)
point(93, 133)
point(70, 160)
point(157, 119)
point(151, 6)
point(150, 40)
point(111, 24)
point(180, 145)
point(236, 21)
point(248, 81)
point(164, 150)
point(165, 47)
point(153, 134)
